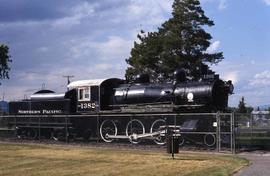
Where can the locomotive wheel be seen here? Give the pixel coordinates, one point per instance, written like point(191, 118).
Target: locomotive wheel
point(209, 140)
point(159, 140)
point(47, 133)
point(134, 128)
point(86, 135)
point(181, 141)
point(107, 127)
point(58, 135)
point(31, 133)
point(20, 133)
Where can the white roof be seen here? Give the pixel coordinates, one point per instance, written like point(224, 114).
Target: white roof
point(47, 95)
point(259, 112)
point(85, 83)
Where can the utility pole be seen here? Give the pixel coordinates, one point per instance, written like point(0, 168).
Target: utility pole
point(43, 86)
point(68, 78)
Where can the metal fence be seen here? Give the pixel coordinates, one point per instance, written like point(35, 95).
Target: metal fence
point(214, 131)
point(252, 131)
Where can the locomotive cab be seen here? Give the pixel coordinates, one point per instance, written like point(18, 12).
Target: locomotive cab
point(88, 98)
point(92, 95)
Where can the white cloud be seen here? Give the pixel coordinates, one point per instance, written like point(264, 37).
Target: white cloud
point(253, 62)
point(106, 66)
point(166, 5)
point(28, 82)
point(43, 49)
point(150, 12)
point(260, 82)
point(114, 47)
point(136, 9)
point(249, 80)
point(75, 16)
point(213, 47)
point(263, 75)
point(222, 4)
point(232, 75)
point(261, 79)
point(206, 1)
point(67, 22)
point(78, 13)
point(267, 2)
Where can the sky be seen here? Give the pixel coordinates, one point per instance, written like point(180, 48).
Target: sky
point(91, 40)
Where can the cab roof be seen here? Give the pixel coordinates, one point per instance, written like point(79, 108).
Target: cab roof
point(85, 83)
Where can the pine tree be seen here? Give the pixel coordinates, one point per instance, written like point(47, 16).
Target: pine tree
point(242, 106)
point(4, 60)
point(181, 42)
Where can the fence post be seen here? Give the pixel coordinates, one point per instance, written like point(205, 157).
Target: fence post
point(66, 126)
point(16, 128)
point(251, 131)
point(97, 131)
point(39, 128)
point(173, 137)
point(232, 133)
point(218, 131)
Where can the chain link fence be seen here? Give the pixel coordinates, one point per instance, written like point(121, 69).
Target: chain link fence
point(252, 131)
point(210, 131)
point(215, 131)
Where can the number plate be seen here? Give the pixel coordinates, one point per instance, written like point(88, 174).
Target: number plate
point(87, 106)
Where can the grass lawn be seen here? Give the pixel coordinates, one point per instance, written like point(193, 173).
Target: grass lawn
point(45, 160)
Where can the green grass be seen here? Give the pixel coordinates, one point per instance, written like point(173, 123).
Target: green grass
point(42, 160)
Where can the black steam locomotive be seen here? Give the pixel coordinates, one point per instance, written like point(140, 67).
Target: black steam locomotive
point(114, 109)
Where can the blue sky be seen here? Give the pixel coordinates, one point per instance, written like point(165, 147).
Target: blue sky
point(91, 39)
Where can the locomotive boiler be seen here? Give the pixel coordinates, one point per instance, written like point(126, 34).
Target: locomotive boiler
point(99, 105)
point(211, 93)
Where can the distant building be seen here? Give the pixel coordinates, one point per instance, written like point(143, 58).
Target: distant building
point(261, 118)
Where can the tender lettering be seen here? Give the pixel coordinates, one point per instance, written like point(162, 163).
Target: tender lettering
point(51, 112)
point(29, 112)
point(44, 111)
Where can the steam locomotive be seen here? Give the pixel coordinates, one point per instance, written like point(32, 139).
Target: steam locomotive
point(115, 109)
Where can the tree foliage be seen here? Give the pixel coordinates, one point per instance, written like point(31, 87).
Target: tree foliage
point(181, 42)
point(4, 61)
point(242, 108)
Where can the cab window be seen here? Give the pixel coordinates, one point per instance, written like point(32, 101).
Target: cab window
point(84, 94)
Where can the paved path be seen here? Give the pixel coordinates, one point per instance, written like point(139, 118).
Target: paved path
point(260, 164)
